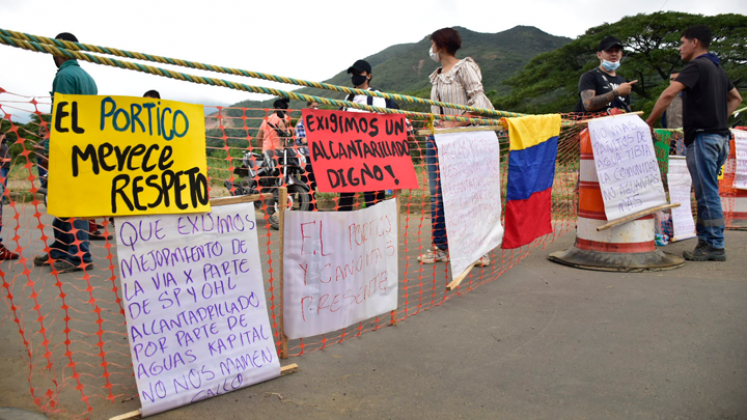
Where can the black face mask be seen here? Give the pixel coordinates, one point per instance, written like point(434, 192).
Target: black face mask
point(280, 114)
point(358, 79)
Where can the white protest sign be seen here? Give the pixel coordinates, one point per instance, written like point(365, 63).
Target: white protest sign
point(625, 159)
point(740, 143)
point(470, 168)
point(339, 268)
point(195, 305)
point(680, 185)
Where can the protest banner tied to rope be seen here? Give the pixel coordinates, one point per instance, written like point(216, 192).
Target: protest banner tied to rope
point(116, 155)
point(740, 175)
point(680, 184)
point(359, 152)
point(340, 268)
point(626, 165)
point(470, 174)
point(195, 305)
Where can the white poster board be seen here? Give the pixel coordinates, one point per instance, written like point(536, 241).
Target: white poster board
point(680, 185)
point(628, 173)
point(740, 143)
point(195, 305)
point(470, 169)
point(339, 268)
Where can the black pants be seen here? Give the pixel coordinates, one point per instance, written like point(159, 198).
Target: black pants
point(347, 199)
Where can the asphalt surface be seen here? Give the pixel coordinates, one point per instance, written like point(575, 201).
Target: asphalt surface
point(544, 341)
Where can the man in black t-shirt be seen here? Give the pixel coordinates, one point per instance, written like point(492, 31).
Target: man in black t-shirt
point(708, 98)
point(602, 89)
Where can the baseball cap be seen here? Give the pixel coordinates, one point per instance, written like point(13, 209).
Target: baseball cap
point(609, 42)
point(360, 66)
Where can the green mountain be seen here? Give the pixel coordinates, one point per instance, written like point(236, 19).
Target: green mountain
point(405, 68)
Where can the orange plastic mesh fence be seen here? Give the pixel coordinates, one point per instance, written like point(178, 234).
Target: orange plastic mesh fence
point(65, 331)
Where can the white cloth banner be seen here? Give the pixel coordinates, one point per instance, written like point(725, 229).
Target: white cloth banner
point(339, 268)
point(740, 142)
point(625, 159)
point(470, 170)
point(195, 305)
point(680, 185)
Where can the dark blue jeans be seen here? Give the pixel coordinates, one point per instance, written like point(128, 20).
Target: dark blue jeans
point(705, 156)
point(64, 247)
point(438, 219)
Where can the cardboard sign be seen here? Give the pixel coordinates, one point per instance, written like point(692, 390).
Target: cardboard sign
point(740, 144)
point(195, 305)
point(117, 155)
point(470, 170)
point(680, 185)
point(627, 169)
point(359, 151)
point(340, 268)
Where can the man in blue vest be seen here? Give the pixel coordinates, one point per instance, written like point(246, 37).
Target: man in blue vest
point(64, 253)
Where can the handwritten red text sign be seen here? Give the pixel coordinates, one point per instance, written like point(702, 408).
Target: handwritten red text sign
point(358, 151)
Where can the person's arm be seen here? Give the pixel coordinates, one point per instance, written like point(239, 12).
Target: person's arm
point(471, 79)
point(593, 102)
point(663, 102)
point(734, 99)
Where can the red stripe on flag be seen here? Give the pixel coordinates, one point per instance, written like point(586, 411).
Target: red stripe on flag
point(527, 220)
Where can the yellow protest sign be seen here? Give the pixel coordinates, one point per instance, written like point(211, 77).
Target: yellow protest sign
point(119, 155)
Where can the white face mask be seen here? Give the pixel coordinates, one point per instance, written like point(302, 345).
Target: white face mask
point(434, 55)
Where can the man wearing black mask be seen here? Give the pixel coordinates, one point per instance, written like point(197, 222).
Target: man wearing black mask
point(361, 77)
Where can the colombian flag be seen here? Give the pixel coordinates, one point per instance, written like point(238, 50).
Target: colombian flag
point(531, 172)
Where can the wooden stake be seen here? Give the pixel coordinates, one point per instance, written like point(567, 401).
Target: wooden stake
point(638, 215)
point(462, 130)
point(282, 204)
point(456, 281)
point(609, 116)
point(222, 201)
point(285, 370)
point(397, 194)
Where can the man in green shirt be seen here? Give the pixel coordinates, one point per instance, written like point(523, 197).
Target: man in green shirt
point(70, 79)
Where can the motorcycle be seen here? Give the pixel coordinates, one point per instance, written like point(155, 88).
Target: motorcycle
point(266, 173)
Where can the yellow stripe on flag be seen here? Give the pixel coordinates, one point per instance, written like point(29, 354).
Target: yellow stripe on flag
point(525, 132)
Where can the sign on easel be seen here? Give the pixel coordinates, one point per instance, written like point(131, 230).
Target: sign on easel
point(625, 160)
point(195, 305)
point(470, 171)
point(680, 186)
point(339, 268)
point(740, 145)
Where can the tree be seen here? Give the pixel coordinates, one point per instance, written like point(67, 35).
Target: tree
point(549, 83)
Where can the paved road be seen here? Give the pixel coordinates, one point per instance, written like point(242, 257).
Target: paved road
point(544, 341)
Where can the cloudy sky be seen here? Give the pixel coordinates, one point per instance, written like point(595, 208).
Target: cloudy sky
point(302, 39)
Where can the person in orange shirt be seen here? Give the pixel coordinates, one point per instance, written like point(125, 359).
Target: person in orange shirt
point(275, 126)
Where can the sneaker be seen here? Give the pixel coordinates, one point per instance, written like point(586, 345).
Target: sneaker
point(5, 254)
point(96, 235)
point(433, 256)
point(484, 261)
point(705, 252)
point(41, 260)
point(65, 266)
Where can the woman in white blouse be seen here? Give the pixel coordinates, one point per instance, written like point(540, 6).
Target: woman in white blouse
point(457, 81)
